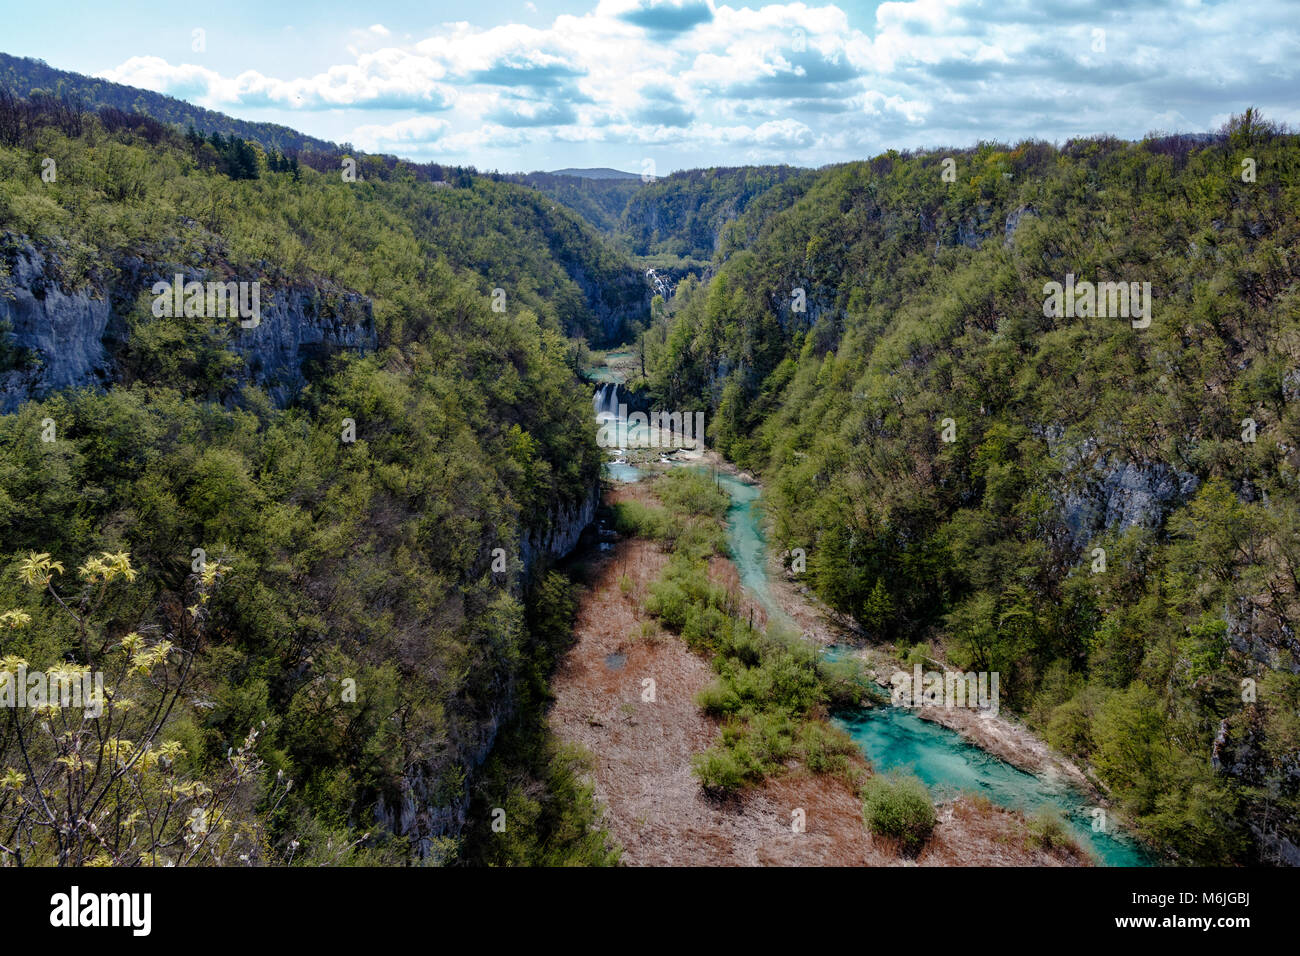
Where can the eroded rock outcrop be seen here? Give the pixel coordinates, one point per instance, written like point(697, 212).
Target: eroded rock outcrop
point(1102, 492)
point(50, 338)
point(55, 337)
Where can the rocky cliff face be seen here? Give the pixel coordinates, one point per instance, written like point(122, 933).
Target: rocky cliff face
point(53, 337)
point(50, 339)
point(613, 304)
point(558, 537)
point(298, 325)
point(1103, 493)
point(424, 812)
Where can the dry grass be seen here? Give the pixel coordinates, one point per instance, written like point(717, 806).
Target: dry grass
point(654, 806)
point(973, 832)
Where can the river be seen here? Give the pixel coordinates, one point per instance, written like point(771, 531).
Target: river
point(895, 738)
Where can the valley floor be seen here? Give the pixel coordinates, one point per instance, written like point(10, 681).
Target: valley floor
point(641, 749)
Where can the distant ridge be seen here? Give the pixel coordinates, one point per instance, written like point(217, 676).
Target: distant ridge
point(601, 172)
point(24, 75)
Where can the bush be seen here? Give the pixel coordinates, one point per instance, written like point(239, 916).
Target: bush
point(693, 493)
point(718, 699)
point(899, 808)
point(1048, 831)
point(669, 603)
point(845, 682)
point(639, 520)
point(827, 749)
point(720, 771)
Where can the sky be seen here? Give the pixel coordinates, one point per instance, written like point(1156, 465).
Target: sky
point(650, 86)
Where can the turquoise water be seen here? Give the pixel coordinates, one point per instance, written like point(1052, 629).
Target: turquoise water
point(747, 542)
point(603, 372)
point(622, 471)
point(894, 738)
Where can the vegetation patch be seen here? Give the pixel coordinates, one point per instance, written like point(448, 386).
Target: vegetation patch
point(899, 808)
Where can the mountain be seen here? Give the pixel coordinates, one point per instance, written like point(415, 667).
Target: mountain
point(673, 223)
point(601, 172)
point(26, 76)
point(1024, 409)
point(375, 465)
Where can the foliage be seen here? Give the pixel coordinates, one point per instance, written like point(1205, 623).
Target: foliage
point(363, 566)
point(771, 693)
point(898, 808)
point(94, 768)
point(924, 302)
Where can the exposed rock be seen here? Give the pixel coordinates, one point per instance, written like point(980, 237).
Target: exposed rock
point(1013, 222)
point(560, 534)
point(1256, 634)
point(1291, 385)
point(612, 303)
point(1275, 848)
point(973, 231)
point(1117, 495)
point(58, 336)
point(299, 324)
point(61, 339)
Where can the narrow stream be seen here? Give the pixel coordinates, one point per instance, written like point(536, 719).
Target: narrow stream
point(747, 543)
point(894, 738)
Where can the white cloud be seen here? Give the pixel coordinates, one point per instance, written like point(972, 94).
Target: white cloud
point(808, 78)
point(418, 132)
point(388, 78)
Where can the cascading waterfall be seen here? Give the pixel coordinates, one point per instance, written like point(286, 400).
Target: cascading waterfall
point(606, 399)
point(605, 402)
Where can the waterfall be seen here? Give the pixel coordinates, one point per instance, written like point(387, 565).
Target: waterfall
point(605, 400)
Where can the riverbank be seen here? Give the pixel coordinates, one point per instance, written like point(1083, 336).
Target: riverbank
point(1064, 785)
point(815, 622)
point(1001, 736)
point(642, 749)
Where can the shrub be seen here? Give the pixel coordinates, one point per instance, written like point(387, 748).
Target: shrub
point(898, 808)
point(1048, 831)
point(639, 520)
point(718, 699)
point(826, 749)
point(720, 771)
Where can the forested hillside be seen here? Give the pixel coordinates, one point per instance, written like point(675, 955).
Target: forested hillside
point(1102, 509)
point(600, 201)
point(329, 531)
point(25, 76)
point(675, 222)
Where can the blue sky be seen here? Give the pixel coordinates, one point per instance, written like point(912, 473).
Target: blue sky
point(658, 85)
